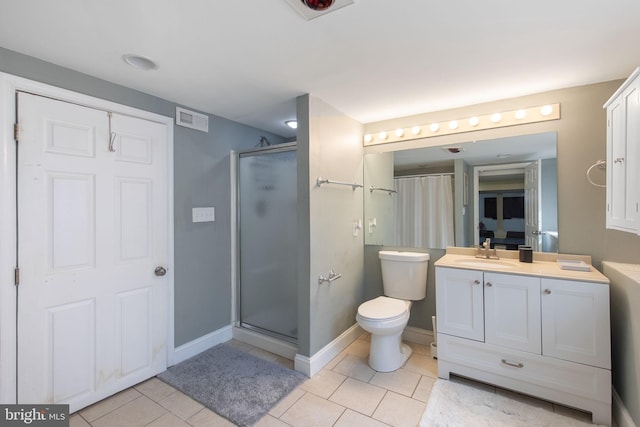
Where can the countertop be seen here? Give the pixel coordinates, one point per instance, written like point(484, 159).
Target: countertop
point(543, 265)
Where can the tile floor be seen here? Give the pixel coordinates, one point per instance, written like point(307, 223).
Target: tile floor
point(346, 393)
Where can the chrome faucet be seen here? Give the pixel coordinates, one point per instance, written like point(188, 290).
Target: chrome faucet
point(484, 250)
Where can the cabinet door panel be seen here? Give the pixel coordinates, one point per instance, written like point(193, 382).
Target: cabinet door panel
point(512, 311)
point(575, 322)
point(459, 305)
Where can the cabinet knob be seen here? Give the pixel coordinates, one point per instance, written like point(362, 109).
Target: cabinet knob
point(489, 284)
point(477, 282)
point(619, 160)
point(546, 291)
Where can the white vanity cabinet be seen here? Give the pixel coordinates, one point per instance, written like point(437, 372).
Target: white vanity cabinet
point(623, 156)
point(547, 337)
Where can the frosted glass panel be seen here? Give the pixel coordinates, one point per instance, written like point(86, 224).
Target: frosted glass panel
point(268, 242)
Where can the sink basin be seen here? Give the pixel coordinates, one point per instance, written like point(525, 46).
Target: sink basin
point(485, 263)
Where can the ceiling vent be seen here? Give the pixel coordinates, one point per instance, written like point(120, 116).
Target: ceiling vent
point(191, 119)
point(311, 9)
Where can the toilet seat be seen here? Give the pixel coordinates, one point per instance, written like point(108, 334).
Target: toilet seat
point(383, 308)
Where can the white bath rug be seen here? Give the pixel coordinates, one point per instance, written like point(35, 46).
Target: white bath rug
point(455, 404)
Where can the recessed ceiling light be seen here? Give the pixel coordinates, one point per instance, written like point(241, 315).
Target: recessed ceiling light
point(139, 62)
point(293, 124)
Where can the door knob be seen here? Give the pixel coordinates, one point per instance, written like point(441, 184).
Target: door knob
point(160, 271)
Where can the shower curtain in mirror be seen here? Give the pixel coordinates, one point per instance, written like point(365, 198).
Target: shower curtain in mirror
point(423, 212)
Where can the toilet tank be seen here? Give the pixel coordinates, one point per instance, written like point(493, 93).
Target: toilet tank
point(404, 274)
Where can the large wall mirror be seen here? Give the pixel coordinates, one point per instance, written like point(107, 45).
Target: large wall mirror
point(504, 190)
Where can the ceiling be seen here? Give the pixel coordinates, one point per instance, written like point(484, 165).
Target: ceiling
point(373, 60)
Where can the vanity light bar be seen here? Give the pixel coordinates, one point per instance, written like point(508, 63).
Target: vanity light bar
point(521, 116)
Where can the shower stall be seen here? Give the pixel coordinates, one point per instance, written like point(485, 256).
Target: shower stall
point(266, 299)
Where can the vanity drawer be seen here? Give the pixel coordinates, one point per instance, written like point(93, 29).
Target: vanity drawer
point(525, 368)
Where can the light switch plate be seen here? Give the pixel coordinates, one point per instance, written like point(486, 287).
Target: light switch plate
point(207, 214)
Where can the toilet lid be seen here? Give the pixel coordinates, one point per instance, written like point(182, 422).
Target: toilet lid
point(383, 308)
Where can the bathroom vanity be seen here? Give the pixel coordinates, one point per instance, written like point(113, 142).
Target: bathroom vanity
point(535, 328)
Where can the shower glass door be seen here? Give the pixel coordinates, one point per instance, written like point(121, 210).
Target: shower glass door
point(267, 209)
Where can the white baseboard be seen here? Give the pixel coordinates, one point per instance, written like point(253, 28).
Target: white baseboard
point(265, 342)
point(417, 335)
point(197, 346)
point(312, 365)
point(621, 415)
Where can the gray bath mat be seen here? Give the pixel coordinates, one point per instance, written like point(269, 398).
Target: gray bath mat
point(233, 383)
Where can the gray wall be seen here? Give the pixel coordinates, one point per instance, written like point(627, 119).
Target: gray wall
point(329, 146)
point(201, 178)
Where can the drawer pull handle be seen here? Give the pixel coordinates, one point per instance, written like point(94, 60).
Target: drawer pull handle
point(515, 365)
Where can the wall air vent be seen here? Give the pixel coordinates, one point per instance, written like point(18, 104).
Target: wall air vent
point(311, 9)
point(191, 119)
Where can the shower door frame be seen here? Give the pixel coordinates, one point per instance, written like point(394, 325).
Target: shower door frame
point(235, 239)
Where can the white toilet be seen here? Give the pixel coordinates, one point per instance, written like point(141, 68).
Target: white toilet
point(404, 279)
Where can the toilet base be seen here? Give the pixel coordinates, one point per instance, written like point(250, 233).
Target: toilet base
point(387, 352)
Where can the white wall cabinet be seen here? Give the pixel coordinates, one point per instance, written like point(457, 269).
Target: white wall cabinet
point(623, 156)
point(540, 336)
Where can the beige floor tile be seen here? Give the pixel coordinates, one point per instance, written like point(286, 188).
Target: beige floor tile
point(359, 396)
point(399, 411)
point(138, 412)
point(107, 405)
point(181, 405)
point(263, 354)
point(423, 365)
point(76, 420)
point(312, 411)
point(424, 350)
point(168, 420)
point(355, 367)
point(423, 390)
point(354, 419)
point(360, 347)
point(269, 421)
point(324, 383)
point(286, 402)
point(208, 418)
point(401, 381)
point(155, 389)
point(240, 345)
point(333, 362)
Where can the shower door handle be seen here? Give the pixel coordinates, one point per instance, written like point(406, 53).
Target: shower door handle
point(160, 271)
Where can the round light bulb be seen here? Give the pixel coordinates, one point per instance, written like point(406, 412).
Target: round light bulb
point(453, 124)
point(368, 138)
point(416, 130)
point(521, 114)
point(399, 132)
point(434, 127)
point(382, 135)
point(473, 121)
point(546, 110)
point(496, 117)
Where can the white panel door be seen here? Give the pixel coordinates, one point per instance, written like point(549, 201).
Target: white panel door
point(512, 311)
point(459, 303)
point(575, 322)
point(92, 228)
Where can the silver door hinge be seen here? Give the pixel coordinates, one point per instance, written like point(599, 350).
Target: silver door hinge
point(16, 273)
point(16, 131)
